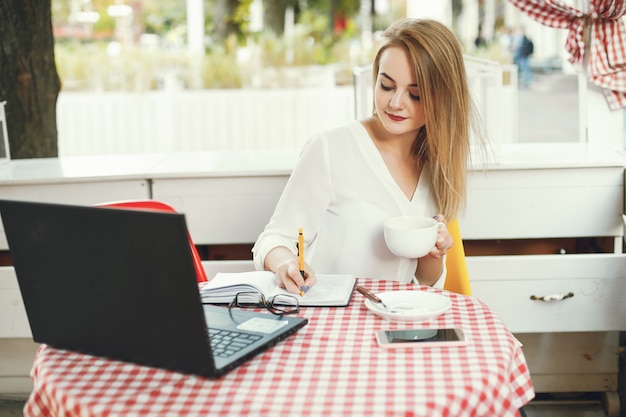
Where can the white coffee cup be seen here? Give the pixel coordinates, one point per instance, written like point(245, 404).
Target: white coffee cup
point(411, 236)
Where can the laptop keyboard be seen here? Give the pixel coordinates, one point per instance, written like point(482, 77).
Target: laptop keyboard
point(225, 343)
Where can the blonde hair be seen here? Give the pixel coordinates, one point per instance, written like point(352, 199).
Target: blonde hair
point(450, 115)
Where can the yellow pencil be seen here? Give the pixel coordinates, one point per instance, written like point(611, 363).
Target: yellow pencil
point(304, 288)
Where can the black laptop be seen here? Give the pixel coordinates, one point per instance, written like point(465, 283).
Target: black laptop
point(121, 284)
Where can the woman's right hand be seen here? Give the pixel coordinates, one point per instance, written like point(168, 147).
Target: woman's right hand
point(285, 265)
point(289, 277)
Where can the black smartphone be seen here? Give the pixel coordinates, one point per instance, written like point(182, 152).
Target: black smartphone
point(421, 337)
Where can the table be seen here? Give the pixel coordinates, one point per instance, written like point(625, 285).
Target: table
point(331, 367)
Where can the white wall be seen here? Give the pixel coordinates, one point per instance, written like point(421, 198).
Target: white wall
point(166, 121)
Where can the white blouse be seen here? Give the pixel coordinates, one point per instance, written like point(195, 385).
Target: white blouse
point(340, 194)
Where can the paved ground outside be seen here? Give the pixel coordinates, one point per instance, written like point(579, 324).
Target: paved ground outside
point(548, 110)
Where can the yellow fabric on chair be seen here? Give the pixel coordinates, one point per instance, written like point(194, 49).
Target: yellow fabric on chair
point(457, 278)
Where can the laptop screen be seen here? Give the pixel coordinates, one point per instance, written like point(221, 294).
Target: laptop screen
point(113, 283)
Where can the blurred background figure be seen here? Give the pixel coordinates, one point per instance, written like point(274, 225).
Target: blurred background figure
point(523, 48)
point(480, 41)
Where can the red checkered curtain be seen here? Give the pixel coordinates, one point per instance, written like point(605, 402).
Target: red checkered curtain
point(602, 24)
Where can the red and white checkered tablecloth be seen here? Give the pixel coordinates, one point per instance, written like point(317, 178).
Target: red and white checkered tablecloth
point(331, 367)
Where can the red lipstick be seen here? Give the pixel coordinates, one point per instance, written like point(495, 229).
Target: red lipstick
point(396, 118)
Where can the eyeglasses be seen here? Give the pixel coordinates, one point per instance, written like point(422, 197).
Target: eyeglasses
point(280, 304)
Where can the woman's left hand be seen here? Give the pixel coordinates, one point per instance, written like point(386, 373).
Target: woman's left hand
point(444, 239)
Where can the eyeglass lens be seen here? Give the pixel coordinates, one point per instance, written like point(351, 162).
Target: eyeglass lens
point(279, 304)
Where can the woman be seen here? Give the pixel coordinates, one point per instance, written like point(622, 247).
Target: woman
point(409, 158)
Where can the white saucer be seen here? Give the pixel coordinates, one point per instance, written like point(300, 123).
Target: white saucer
point(409, 305)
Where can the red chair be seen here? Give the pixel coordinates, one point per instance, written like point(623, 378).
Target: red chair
point(152, 205)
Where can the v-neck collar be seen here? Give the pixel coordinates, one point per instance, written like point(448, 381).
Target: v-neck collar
point(376, 161)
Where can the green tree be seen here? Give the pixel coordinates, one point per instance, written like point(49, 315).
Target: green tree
point(274, 14)
point(229, 17)
point(28, 77)
point(160, 16)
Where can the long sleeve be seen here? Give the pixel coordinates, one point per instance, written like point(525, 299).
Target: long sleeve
point(302, 204)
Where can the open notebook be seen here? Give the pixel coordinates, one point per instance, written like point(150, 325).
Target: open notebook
point(330, 290)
